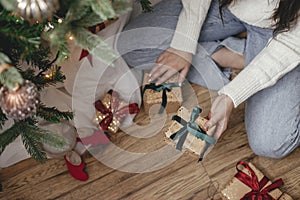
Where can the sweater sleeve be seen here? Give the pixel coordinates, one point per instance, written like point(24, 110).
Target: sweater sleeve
point(189, 25)
point(280, 56)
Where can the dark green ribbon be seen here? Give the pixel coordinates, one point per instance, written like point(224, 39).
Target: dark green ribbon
point(193, 128)
point(165, 87)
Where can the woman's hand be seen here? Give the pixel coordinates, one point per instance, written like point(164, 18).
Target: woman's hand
point(219, 114)
point(169, 63)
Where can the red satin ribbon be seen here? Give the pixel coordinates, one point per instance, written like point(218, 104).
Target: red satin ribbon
point(258, 191)
point(113, 110)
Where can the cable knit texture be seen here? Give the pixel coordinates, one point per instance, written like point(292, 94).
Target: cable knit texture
point(189, 25)
point(280, 56)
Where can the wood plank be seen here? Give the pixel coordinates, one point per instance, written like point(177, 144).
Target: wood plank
point(18, 168)
point(165, 186)
point(120, 183)
point(181, 178)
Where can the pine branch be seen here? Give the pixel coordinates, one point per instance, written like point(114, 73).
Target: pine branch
point(10, 77)
point(3, 118)
point(41, 59)
point(44, 136)
point(91, 19)
point(4, 58)
point(8, 137)
point(78, 9)
point(95, 45)
point(103, 8)
point(17, 35)
point(34, 148)
point(33, 138)
point(52, 114)
point(146, 5)
point(41, 81)
point(9, 4)
point(121, 7)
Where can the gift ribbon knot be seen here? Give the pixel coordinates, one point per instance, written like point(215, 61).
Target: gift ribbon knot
point(165, 87)
point(258, 189)
point(193, 128)
point(114, 111)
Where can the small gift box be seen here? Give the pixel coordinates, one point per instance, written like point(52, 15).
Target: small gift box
point(111, 110)
point(250, 183)
point(168, 95)
point(187, 132)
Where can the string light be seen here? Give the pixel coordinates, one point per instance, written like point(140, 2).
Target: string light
point(51, 72)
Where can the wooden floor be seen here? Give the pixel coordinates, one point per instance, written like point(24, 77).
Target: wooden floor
point(182, 179)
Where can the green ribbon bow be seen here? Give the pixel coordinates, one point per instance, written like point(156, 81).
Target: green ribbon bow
point(193, 128)
point(163, 87)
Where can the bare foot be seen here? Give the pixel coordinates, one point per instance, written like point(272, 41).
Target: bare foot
point(227, 58)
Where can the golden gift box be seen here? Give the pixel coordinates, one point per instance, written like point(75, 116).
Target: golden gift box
point(155, 94)
point(111, 110)
point(192, 143)
point(249, 182)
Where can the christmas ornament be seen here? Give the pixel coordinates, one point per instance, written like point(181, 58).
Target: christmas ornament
point(36, 10)
point(19, 103)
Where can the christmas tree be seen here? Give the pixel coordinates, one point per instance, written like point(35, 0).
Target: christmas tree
point(36, 33)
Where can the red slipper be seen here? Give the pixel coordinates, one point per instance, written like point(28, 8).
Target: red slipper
point(76, 166)
point(98, 137)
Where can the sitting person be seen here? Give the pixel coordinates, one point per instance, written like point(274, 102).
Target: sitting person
point(198, 40)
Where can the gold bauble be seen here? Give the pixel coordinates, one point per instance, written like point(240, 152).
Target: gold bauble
point(36, 10)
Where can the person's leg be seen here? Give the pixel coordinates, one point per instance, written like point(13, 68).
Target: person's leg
point(272, 116)
point(149, 34)
point(215, 36)
point(146, 37)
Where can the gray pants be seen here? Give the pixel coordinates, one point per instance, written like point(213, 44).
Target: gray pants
point(272, 115)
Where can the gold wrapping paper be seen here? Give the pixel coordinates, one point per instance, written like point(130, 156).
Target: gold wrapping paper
point(115, 124)
point(192, 144)
point(174, 98)
point(235, 190)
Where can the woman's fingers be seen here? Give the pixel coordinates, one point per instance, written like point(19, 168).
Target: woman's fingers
point(158, 72)
point(170, 62)
point(168, 74)
point(183, 74)
point(219, 115)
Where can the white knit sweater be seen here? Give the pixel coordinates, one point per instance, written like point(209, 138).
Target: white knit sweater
point(281, 55)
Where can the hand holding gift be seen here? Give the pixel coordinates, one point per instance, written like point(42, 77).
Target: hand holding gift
point(187, 130)
point(219, 114)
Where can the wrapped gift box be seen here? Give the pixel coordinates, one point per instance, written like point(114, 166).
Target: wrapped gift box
point(152, 97)
point(192, 144)
point(237, 190)
point(111, 110)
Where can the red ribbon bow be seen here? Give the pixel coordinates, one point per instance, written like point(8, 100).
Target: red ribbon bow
point(113, 110)
point(258, 191)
